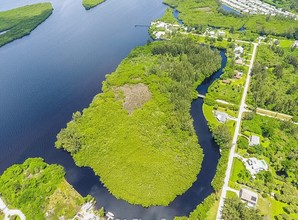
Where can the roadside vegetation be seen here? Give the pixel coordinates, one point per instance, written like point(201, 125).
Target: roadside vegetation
point(229, 88)
point(39, 190)
point(274, 84)
point(234, 208)
point(203, 13)
point(142, 144)
point(19, 22)
point(88, 4)
point(277, 187)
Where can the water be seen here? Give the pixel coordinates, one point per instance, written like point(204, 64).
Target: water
point(176, 15)
point(58, 69)
point(229, 9)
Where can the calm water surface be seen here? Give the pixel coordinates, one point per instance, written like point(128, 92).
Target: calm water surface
point(58, 69)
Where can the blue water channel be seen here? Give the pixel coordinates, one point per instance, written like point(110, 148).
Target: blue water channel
point(58, 69)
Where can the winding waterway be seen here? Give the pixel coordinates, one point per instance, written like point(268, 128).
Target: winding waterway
point(58, 69)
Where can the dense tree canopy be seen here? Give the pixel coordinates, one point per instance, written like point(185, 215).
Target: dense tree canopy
point(274, 84)
point(150, 155)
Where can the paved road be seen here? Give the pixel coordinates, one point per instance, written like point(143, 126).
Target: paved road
point(237, 130)
point(10, 212)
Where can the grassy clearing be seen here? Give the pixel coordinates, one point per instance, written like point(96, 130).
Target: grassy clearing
point(274, 114)
point(239, 171)
point(88, 4)
point(19, 22)
point(231, 195)
point(152, 155)
point(65, 201)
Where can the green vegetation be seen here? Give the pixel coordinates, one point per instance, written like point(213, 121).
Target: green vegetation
point(281, 150)
point(138, 134)
point(274, 84)
point(168, 17)
point(235, 209)
point(19, 22)
point(277, 186)
point(35, 188)
point(229, 88)
point(88, 4)
point(202, 13)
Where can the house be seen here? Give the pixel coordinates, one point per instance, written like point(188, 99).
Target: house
point(221, 33)
point(225, 81)
point(212, 33)
point(254, 140)
point(238, 74)
point(254, 166)
point(248, 196)
point(239, 61)
point(159, 34)
point(238, 50)
point(295, 43)
point(221, 116)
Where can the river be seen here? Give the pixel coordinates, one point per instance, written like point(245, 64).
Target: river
point(58, 69)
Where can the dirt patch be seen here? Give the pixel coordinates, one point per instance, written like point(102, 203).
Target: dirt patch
point(135, 96)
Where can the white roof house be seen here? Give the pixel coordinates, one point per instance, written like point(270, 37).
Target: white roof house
point(254, 140)
point(159, 34)
point(221, 116)
point(253, 165)
point(248, 196)
point(239, 50)
point(239, 61)
point(221, 33)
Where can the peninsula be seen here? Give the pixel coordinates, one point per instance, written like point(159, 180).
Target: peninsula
point(138, 134)
point(19, 22)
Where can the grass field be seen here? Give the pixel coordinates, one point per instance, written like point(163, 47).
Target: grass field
point(19, 22)
point(238, 168)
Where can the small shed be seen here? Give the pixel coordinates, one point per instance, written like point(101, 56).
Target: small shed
point(248, 196)
point(254, 140)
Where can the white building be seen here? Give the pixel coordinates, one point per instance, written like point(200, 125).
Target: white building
point(250, 197)
point(221, 116)
point(254, 166)
point(239, 50)
point(254, 140)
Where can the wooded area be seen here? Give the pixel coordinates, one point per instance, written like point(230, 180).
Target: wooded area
point(151, 155)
